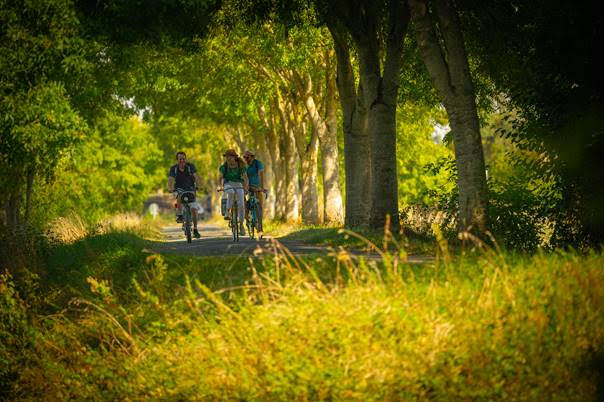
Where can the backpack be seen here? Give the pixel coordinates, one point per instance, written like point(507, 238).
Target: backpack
point(188, 169)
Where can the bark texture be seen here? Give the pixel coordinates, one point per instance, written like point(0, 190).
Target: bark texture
point(357, 159)
point(291, 161)
point(449, 70)
point(380, 89)
point(327, 137)
point(310, 192)
point(270, 150)
point(333, 211)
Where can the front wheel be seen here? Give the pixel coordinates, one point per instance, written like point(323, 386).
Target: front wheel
point(250, 228)
point(187, 223)
point(188, 233)
point(234, 222)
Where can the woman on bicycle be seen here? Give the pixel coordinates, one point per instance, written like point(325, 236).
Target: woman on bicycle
point(233, 180)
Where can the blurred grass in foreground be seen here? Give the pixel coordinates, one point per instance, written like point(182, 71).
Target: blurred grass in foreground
point(102, 320)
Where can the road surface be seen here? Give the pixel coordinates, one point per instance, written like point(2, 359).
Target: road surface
point(217, 241)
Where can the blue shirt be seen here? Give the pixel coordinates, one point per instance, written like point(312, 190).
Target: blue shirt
point(252, 172)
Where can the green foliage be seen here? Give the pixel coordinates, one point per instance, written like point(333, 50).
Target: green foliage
point(40, 128)
point(415, 150)
point(540, 56)
point(113, 170)
point(16, 335)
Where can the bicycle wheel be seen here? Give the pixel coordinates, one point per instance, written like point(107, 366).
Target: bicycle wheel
point(252, 219)
point(234, 222)
point(188, 233)
point(188, 224)
point(250, 229)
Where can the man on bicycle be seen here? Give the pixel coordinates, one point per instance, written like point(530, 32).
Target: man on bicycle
point(234, 181)
point(183, 176)
point(255, 174)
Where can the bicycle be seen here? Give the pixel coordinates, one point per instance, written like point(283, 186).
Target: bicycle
point(233, 218)
point(186, 197)
point(251, 219)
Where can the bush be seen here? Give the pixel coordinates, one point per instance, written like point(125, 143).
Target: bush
point(16, 335)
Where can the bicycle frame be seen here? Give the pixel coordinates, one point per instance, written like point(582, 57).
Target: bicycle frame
point(187, 218)
point(252, 218)
point(234, 216)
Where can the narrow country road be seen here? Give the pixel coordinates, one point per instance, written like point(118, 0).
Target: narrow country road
point(217, 241)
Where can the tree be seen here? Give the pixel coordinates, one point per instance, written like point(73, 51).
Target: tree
point(357, 155)
point(375, 28)
point(447, 62)
point(540, 56)
point(41, 49)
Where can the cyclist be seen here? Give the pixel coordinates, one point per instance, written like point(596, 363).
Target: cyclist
point(184, 176)
point(233, 180)
point(255, 174)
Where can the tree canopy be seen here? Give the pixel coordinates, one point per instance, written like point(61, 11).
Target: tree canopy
point(343, 100)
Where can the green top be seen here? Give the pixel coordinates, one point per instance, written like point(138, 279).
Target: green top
point(232, 174)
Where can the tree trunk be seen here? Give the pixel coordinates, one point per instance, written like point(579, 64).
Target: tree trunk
point(291, 161)
point(310, 191)
point(28, 194)
point(332, 195)
point(380, 91)
point(292, 177)
point(11, 208)
point(12, 204)
point(357, 160)
point(307, 154)
point(448, 67)
point(270, 151)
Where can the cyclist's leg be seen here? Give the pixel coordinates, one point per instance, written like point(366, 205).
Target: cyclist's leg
point(230, 192)
point(241, 203)
point(194, 215)
point(178, 210)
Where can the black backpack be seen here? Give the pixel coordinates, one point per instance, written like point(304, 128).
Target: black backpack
point(188, 169)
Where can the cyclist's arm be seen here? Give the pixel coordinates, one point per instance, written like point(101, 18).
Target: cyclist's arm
point(261, 175)
point(171, 184)
point(221, 180)
point(246, 182)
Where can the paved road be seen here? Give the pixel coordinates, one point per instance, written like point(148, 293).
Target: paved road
point(217, 241)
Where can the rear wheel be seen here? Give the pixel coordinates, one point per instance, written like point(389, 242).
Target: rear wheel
point(251, 223)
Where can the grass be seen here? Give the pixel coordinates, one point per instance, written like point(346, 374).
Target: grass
point(336, 236)
point(123, 324)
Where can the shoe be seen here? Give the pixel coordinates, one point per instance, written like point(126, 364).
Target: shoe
point(227, 218)
point(196, 234)
point(260, 235)
point(178, 218)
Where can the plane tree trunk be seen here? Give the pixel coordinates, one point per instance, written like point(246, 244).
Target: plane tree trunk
point(357, 159)
point(380, 89)
point(447, 63)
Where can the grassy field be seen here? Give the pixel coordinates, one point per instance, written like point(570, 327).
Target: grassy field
point(94, 317)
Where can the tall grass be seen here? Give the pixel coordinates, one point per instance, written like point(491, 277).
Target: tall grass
point(492, 326)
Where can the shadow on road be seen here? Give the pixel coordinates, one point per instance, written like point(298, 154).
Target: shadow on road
point(217, 241)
